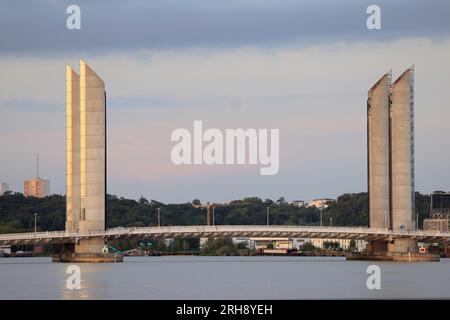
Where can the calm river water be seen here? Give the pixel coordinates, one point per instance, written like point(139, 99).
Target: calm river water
point(182, 277)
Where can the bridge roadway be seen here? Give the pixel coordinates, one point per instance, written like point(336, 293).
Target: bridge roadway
point(357, 233)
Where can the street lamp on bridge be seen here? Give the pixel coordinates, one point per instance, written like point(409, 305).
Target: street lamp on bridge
point(159, 217)
point(321, 212)
point(267, 209)
point(35, 223)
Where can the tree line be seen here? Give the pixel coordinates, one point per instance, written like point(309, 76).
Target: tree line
point(351, 209)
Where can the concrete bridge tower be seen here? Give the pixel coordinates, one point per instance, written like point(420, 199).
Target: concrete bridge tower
point(378, 156)
point(402, 159)
point(390, 144)
point(72, 150)
point(92, 157)
point(402, 152)
point(86, 156)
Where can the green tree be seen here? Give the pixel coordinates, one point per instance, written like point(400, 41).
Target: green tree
point(308, 247)
point(219, 247)
point(352, 245)
point(142, 200)
point(350, 209)
point(16, 212)
point(331, 245)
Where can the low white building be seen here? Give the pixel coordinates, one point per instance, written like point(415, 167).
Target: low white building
point(297, 243)
point(250, 244)
point(320, 203)
point(360, 245)
point(297, 203)
point(5, 250)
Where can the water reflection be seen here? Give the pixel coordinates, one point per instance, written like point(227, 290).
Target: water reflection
point(94, 282)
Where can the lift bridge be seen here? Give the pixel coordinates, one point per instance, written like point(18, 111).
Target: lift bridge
point(287, 231)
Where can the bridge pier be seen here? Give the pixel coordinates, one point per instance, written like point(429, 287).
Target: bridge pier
point(400, 249)
point(404, 245)
point(377, 247)
point(90, 251)
point(94, 245)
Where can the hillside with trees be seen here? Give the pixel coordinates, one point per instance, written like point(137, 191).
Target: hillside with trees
point(16, 212)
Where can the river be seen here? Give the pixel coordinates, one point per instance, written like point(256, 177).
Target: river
point(192, 277)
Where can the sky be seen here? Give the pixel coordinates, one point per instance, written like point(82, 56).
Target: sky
point(303, 67)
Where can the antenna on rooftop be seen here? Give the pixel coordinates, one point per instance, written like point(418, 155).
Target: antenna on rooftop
point(37, 165)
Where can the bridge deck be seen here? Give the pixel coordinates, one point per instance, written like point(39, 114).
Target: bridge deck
point(357, 233)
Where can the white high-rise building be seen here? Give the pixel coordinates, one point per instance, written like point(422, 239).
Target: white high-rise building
point(4, 187)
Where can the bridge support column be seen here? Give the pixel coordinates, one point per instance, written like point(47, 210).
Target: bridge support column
point(406, 250)
point(88, 250)
point(401, 249)
point(377, 247)
point(404, 245)
point(90, 246)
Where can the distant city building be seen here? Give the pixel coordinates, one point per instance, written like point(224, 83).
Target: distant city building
point(4, 187)
point(36, 187)
point(205, 205)
point(439, 219)
point(440, 204)
point(436, 224)
point(297, 203)
point(320, 203)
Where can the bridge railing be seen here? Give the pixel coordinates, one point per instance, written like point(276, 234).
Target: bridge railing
point(243, 228)
point(234, 227)
point(41, 234)
point(288, 228)
point(221, 229)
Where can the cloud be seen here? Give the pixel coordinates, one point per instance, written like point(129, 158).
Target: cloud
point(315, 95)
point(39, 27)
